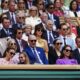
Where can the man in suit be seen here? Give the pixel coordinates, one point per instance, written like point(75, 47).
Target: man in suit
point(49, 34)
point(66, 40)
point(35, 54)
point(6, 31)
point(76, 52)
point(28, 3)
point(11, 13)
point(21, 44)
point(51, 16)
point(20, 18)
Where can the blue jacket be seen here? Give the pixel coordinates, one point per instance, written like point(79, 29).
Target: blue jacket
point(32, 57)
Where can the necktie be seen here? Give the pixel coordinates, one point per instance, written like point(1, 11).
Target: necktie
point(50, 38)
point(64, 40)
point(12, 18)
point(36, 56)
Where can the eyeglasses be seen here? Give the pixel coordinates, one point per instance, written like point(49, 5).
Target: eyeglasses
point(33, 40)
point(65, 29)
point(19, 32)
point(40, 30)
point(67, 50)
point(59, 43)
point(12, 53)
point(13, 43)
point(50, 7)
point(21, 17)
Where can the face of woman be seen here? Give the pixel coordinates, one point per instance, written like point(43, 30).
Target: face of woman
point(11, 53)
point(22, 58)
point(58, 44)
point(74, 5)
point(67, 52)
point(39, 33)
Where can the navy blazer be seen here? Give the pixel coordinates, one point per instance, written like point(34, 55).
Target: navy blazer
point(76, 55)
point(4, 34)
point(56, 22)
point(45, 36)
point(32, 57)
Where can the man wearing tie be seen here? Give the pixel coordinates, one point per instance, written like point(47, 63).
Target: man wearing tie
point(64, 36)
point(35, 54)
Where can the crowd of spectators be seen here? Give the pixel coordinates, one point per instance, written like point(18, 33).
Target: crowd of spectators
point(39, 32)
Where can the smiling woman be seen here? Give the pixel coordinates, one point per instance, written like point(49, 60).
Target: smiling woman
point(66, 56)
point(7, 56)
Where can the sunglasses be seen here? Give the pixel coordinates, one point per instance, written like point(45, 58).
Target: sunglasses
point(50, 7)
point(33, 40)
point(40, 30)
point(12, 53)
point(21, 17)
point(19, 32)
point(67, 50)
point(59, 43)
point(65, 29)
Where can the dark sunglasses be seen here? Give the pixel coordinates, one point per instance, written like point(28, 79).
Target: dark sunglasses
point(12, 53)
point(59, 43)
point(65, 29)
point(33, 40)
point(40, 30)
point(51, 7)
point(67, 50)
point(21, 17)
point(19, 32)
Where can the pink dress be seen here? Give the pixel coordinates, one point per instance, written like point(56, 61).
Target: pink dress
point(3, 61)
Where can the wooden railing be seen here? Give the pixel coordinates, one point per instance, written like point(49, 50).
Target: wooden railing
point(39, 66)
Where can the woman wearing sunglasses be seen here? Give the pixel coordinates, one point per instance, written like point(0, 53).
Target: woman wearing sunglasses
point(7, 56)
point(40, 41)
point(66, 56)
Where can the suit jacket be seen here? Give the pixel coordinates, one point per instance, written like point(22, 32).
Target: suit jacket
point(24, 45)
point(4, 34)
point(56, 21)
point(45, 36)
point(76, 55)
point(52, 56)
point(41, 54)
point(8, 15)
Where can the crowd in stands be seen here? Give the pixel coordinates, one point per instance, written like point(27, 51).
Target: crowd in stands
point(39, 32)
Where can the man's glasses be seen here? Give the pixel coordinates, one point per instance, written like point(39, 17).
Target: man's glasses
point(19, 32)
point(33, 40)
point(65, 29)
point(21, 17)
